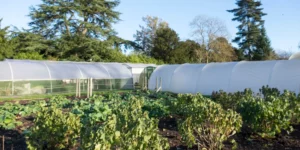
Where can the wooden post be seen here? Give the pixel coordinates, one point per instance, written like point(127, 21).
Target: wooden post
point(76, 87)
point(88, 88)
point(79, 88)
point(12, 88)
point(51, 86)
point(3, 139)
point(145, 82)
point(91, 86)
point(110, 84)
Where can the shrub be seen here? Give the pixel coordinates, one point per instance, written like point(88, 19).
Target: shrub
point(294, 105)
point(128, 128)
point(266, 118)
point(206, 123)
point(54, 129)
point(265, 113)
point(230, 100)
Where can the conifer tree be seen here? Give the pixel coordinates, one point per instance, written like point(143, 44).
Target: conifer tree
point(249, 14)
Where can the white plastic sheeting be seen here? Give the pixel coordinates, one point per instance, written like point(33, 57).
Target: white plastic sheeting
point(20, 70)
point(295, 56)
point(229, 77)
point(165, 73)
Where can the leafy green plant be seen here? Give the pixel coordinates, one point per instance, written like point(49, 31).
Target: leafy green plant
point(230, 100)
point(266, 118)
point(54, 129)
point(59, 102)
point(127, 128)
point(294, 105)
point(266, 91)
point(265, 113)
point(206, 123)
point(8, 120)
point(156, 108)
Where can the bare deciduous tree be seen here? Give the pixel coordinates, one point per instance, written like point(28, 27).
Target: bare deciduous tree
point(144, 37)
point(283, 54)
point(206, 30)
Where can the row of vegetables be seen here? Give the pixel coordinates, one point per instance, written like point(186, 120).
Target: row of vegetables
point(130, 120)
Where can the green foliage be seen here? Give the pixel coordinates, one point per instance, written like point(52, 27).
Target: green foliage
point(206, 123)
point(249, 14)
point(263, 50)
point(128, 128)
point(156, 108)
point(80, 48)
point(31, 46)
point(30, 56)
point(139, 58)
point(145, 37)
point(165, 43)
point(6, 46)
point(54, 129)
point(93, 18)
point(230, 100)
point(267, 113)
point(294, 105)
point(190, 51)
point(8, 120)
point(266, 118)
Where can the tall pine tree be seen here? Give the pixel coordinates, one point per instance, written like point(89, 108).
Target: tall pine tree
point(263, 50)
point(249, 14)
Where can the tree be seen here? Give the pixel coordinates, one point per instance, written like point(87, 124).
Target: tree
point(249, 14)
point(222, 51)
point(139, 58)
point(144, 38)
point(283, 54)
point(165, 43)
point(78, 48)
point(6, 46)
point(190, 51)
point(205, 30)
point(91, 18)
point(263, 50)
point(239, 54)
point(32, 46)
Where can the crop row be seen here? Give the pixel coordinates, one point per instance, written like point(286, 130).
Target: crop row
point(130, 120)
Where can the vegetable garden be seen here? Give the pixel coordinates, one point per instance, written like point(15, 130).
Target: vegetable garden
point(149, 120)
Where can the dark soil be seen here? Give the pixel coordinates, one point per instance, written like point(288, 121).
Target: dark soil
point(14, 139)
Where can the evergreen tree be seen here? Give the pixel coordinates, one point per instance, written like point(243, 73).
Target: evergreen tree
point(91, 18)
point(190, 51)
point(249, 14)
point(81, 29)
point(6, 46)
point(165, 43)
point(263, 49)
point(32, 46)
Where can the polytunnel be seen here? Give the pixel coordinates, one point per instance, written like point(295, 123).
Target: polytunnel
point(228, 76)
point(137, 71)
point(23, 77)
